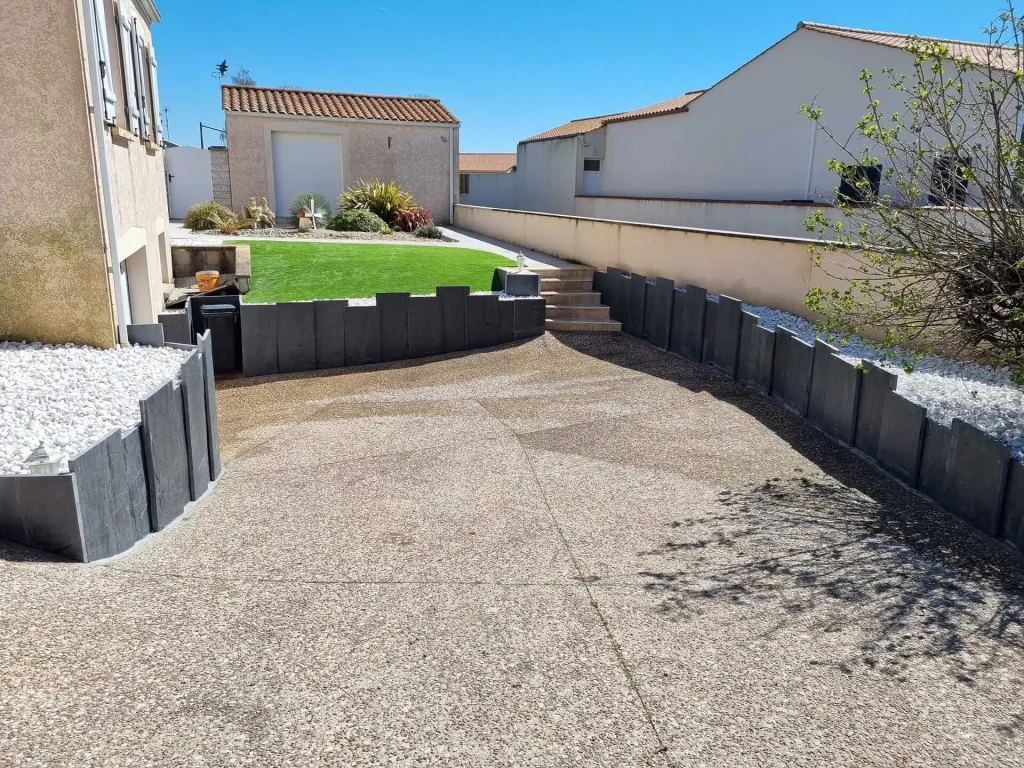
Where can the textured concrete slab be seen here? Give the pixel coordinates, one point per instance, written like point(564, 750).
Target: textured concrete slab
point(362, 335)
point(109, 524)
point(164, 447)
point(618, 296)
point(834, 393)
point(707, 353)
point(727, 335)
point(482, 321)
point(601, 284)
point(426, 326)
point(176, 327)
point(453, 316)
point(197, 437)
point(259, 339)
point(1013, 506)
point(42, 512)
point(529, 317)
point(138, 490)
point(902, 438)
point(146, 334)
point(210, 400)
point(761, 359)
point(296, 337)
point(976, 480)
point(518, 283)
point(783, 339)
point(658, 312)
point(799, 365)
point(636, 306)
point(329, 319)
point(506, 321)
point(934, 473)
point(691, 325)
point(393, 309)
point(876, 384)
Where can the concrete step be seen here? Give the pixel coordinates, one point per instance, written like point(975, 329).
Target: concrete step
point(591, 326)
point(577, 273)
point(577, 313)
point(573, 298)
point(560, 285)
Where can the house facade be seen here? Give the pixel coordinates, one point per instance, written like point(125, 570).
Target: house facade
point(283, 142)
point(738, 156)
point(83, 204)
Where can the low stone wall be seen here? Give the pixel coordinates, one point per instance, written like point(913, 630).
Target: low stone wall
point(129, 483)
point(962, 469)
point(234, 262)
point(303, 336)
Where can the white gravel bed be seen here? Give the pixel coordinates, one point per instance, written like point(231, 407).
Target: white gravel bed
point(67, 396)
point(979, 394)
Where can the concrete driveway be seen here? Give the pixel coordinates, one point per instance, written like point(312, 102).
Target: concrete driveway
point(575, 551)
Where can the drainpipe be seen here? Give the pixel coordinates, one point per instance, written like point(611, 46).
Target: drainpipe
point(451, 176)
point(810, 159)
point(103, 166)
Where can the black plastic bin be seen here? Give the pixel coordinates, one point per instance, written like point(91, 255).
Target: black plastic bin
point(225, 333)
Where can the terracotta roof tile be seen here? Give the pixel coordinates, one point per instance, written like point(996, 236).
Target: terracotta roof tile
point(675, 104)
point(572, 128)
point(979, 53)
point(486, 162)
point(360, 106)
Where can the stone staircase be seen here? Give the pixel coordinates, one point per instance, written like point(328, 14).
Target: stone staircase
point(572, 304)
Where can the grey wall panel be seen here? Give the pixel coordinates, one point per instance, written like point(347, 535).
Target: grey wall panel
point(197, 438)
point(658, 312)
point(834, 393)
point(783, 340)
point(761, 356)
point(727, 335)
point(1013, 506)
point(135, 472)
point(146, 334)
point(933, 475)
point(164, 446)
point(601, 283)
point(529, 317)
point(901, 438)
point(618, 296)
point(799, 366)
point(748, 322)
point(634, 324)
point(104, 499)
point(426, 327)
point(329, 320)
point(876, 384)
point(482, 321)
point(506, 321)
point(176, 327)
point(209, 385)
point(707, 353)
point(259, 339)
point(691, 343)
point(453, 315)
point(824, 356)
point(678, 327)
point(296, 337)
point(41, 511)
point(394, 325)
point(362, 335)
point(976, 482)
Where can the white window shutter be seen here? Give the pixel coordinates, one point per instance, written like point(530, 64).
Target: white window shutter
point(154, 96)
point(131, 94)
point(103, 51)
point(140, 79)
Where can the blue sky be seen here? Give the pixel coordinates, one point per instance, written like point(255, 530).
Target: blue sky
point(507, 70)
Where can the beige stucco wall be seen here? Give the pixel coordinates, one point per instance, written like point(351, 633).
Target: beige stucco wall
point(418, 158)
point(769, 271)
point(54, 285)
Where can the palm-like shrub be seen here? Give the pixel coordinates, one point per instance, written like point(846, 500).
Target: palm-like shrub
point(413, 218)
point(384, 198)
point(319, 207)
point(357, 221)
point(205, 215)
point(227, 225)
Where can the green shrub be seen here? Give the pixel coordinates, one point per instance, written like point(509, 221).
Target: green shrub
point(228, 225)
point(318, 205)
point(384, 198)
point(206, 214)
point(414, 218)
point(356, 221)
point(430, 231)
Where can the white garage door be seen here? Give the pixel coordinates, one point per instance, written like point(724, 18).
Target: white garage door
point(305, 162)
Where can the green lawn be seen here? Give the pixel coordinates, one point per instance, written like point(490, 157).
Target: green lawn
point(300, 271)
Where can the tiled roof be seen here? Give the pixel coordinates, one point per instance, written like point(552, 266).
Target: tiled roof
point(978, 53)
point(486, 162)
point(572, 128)
point(362, 106)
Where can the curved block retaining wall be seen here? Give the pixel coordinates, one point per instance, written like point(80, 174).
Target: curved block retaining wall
point(960, 468)
point(129, 483)
point(309, 335)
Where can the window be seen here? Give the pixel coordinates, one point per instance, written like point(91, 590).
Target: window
point(99, 13)
point(590, 164)
point(126, 41)
point(463, 183)
point(860, 183)
point(949, 180)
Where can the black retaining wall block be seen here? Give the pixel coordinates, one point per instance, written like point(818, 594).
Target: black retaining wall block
point(393, 309)
point(901, 438)
point(177, 327)
point(329, 321)
point(976, 482)
point(748, 322)
point(933, 475)
point(193, 391)
point(799, 365)
point(824, 354)
point(426, 327)
point(707, 352)
point(875, 386)
point(481, 321)
point(205, 343)
point(678, 325)
point(835, 393)
point(1013, 506)
point(618, 296)
point(783, 338)
point(296, 337)
point(600, 283)
point(259, 339)
point(634, 324)
point(138, 490)
point(727, 335)
point(362, 335)
point(691, 340)
point(41, 511)
point(164, 446)
point(761, 357)
point(658, 312)
point(453, 316)
point(146, 334)
point(529, 317)
point(506, 321)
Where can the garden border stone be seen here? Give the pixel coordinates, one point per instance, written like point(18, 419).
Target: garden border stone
point(329, 322)
point(197, 438)
point(146, 334)
point(935, 451)
point(901, 438)
point(104, 499)
point(393, 309)
point(177, 327)
point(41, 511)
point(976, 482)
point(482, 321)
point(259, 339)
point(875, 385)
point(453, 316)
point(164, 446)
point(691, 342)
point(707, 352)
point(761, 354)
point(296, 337)
point(634, 324)
point(426, 326)
point(506, 321)
point(658, 312)
point(728, 324)
point(529, 317)
point(1013, 506)
point(362, 335)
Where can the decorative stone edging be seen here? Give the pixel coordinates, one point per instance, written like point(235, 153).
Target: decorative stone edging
point(128, 483)
point(961, 468)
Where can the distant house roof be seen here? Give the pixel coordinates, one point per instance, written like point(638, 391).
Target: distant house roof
point(359, 106)
point(978, 53)
point(586, 124)
point(486, 162)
